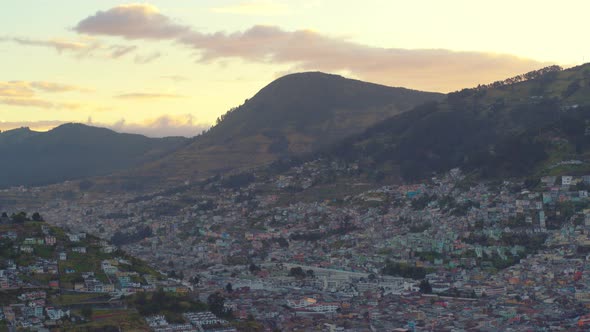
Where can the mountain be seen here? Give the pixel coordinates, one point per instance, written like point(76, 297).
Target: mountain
point(73, 151)
point(533, 124)
point(295, 114)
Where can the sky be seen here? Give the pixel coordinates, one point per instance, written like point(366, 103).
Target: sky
point(165, 68)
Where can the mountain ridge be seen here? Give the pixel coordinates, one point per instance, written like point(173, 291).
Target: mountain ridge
point(73, 151)
point(502, 129)
point(294, 114)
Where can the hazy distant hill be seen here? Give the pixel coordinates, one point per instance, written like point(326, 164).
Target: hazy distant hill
point(521, 127)
point(73, 151)
point(295, 114)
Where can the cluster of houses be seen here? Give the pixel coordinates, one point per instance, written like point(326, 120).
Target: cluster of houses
point(32, 312)
point(464, 236)
point(195, 322)
point(62, 263)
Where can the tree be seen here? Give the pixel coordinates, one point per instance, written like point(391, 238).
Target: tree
point(310, 273)
point(19, 218)
point(141, 298)
point(372, 277)
point(195, 280)
point(229, 288)
point(297, 272)
point(86, 312)
point(283, 243)
point(37, 217)
point(253, 268)
point(216, 303)
point(425, 287)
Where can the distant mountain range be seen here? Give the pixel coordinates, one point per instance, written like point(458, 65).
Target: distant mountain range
point(74, 151)
point(533, 124)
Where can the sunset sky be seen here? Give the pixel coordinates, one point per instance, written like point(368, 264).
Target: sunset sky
point(172, 67)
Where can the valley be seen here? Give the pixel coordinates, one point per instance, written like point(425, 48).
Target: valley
point(461, 213)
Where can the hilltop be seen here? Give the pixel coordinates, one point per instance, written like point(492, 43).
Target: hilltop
point(73, 151)
point(295, 114)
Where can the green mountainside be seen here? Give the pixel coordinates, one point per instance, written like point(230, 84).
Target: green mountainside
point(533, 124)
point(295, 114)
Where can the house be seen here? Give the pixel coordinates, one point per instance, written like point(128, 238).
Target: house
point(26, 249)
point(50, 240)
point(324, 307)
point(56, 314)
point(73, 237)
point(108, 249)
point(30, 241)
point(80, 250)
point(202, 318)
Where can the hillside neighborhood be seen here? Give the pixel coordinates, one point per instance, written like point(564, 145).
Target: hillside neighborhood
point(442, 254)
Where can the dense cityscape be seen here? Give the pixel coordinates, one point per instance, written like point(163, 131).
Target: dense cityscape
point(447, 253)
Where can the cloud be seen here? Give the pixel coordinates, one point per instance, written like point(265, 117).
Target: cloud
point(258, 8)
point(303, 50)
point(134, 21)
point(16, 89)
point(58, 45)
point(56, 87)
point(25, 89)
point(143, 59)
point(163, 126)
point(139, 95)
point(428, 69)
point(38, 103)
point(83, 48)
point(23, 93)
point(120, 50)
point(27, 102)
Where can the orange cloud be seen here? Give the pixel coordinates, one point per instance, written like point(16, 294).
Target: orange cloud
point(26, 89)
point(39, 103)
point(22, 93)
point(16, 89)
point(427, 69)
